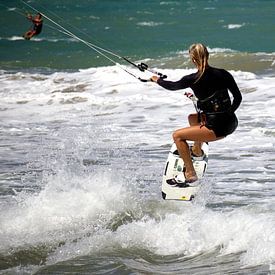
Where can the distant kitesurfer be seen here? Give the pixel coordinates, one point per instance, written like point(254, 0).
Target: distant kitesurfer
point(36, 27)
point(216, 117)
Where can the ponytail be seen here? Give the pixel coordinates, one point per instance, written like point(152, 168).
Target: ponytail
point(199, 55)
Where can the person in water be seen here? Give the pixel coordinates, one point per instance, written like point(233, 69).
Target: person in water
point(216, 118)
point(36, 27)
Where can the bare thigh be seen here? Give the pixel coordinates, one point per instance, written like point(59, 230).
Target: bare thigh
point(195, 133)
point(193, 119)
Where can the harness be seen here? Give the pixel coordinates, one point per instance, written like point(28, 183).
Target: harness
point(218, 102)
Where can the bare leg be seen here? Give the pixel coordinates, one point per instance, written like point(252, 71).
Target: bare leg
point(194, 133)
point(28, 35)
point(184, 152)
point(193, 121)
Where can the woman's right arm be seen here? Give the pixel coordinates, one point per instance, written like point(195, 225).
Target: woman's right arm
point(172, 85)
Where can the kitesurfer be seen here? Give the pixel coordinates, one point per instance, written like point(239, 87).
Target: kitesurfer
point(216, 118)
point(36, 27)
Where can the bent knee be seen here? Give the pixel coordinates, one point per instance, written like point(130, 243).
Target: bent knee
point(177, 136)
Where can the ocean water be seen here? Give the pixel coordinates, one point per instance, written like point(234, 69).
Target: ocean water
point(83, 143)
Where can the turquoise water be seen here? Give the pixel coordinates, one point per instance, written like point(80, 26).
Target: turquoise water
point(136, 29)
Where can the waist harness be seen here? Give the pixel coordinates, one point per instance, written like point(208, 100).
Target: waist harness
point(218, 102)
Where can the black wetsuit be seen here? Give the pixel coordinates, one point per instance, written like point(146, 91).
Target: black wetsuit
point(37, 27)
point(214, 101)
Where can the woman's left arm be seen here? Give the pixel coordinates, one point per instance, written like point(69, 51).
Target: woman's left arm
point(234, 89)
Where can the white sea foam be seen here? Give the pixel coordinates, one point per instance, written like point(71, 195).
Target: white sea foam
point(98, 114)
point(196, 231)
point(234, 26)
point(13, 38)
point(38, 39)
point(176, 3)
point(211, 50)
point(66, 204)
point(149, 24)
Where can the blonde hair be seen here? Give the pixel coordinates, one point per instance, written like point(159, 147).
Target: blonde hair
point(199, 55)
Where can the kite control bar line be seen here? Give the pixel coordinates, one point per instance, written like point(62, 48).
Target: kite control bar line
point(142, 66)
point(194, 99)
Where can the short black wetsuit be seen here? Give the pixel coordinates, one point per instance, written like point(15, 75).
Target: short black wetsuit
point(214, 101)
point(37, 27)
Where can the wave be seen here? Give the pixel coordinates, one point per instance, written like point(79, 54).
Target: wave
point(234, 26)
point(13, 38)
point(61, 84)
point(74, 216)
point(78, 87)
point(85, 154)
point(37, 39)
point(170, 3)
point(260, 63)
point(150, 24)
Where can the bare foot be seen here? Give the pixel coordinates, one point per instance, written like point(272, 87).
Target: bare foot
point(190, 177)
point(197, 152)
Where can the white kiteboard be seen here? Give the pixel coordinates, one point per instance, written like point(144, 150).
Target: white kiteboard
point(174, 167)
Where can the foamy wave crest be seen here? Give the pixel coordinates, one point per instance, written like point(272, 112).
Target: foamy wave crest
point(169, 3)
point(38, 39)
point(69, 206)
point(211, 50)
point(234, 26)
point(13, 38)
point(193, 233)
point(149, 24)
